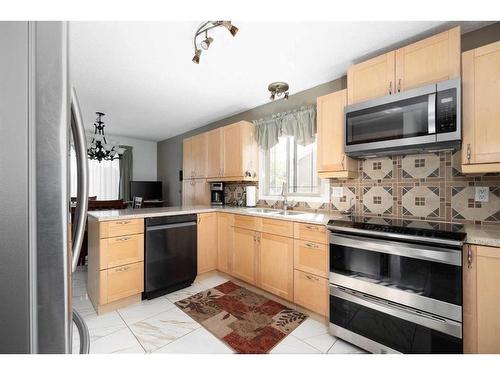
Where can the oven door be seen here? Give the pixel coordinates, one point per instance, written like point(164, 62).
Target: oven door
point(394, 121)
point(381, 326)
point(424, 277)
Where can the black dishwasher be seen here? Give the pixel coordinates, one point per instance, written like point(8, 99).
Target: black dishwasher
point(170, 256)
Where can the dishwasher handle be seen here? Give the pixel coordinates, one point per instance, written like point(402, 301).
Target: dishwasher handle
point(170, 226)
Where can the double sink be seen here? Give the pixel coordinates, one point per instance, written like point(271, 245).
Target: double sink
point(269, 211)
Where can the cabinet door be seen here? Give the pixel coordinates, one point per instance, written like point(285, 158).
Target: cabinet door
point(371, 79)
point(121, 282)
point(488, 300)
point(244, 255)
point(188, 192)
point(187, 158)
point(481, 106)
point(225, 237)
point(331, 139)
point(233, 151)
point(215, 155)
point(207, 242)
point(199, 153)
point(201, 192)
point(276, 265)
point(429, 60)
point(469, 299)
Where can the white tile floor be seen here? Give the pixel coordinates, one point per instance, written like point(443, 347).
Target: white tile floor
point(158, 326)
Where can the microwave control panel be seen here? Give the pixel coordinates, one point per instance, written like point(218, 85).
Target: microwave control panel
point(446, 111)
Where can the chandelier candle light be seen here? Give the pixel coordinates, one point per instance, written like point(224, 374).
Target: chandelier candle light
point(99, 149)
point(205, 43)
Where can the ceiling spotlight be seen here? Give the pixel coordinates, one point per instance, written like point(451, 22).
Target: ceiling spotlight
point(232, 29)
point(197, 54)
point(205, 43)
point(278, 89)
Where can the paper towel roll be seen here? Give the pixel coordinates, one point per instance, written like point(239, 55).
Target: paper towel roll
point(251, 195)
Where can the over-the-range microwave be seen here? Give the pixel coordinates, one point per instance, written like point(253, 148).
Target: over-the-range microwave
point(422, 119)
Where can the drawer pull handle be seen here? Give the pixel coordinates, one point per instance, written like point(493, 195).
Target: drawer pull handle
point(311, 245)
point(123, 269)
point(123, 222)
point(312, 278)
point(312, 227)
point(123, 238)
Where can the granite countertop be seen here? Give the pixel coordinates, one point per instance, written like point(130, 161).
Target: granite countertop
point(321, 218)
point(487, 235)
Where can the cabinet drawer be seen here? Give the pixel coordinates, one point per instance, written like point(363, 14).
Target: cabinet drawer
point(247, 222)
point(121, 282)
point(311, 292)
point(121, 228)
point(311, 232)
point(117, 251)
point(279, 227)
point(311, 257)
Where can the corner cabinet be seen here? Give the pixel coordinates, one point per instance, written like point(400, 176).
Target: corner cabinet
point(481, 302)
point(332, 162)
point(427, 61)
point(481, 109)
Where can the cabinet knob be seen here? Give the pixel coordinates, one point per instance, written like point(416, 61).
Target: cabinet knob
point(469, 257)
point(469, 152)
point(390, 87)
point(399, 85)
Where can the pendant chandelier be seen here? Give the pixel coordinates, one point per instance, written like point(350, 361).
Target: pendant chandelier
point(98, 147)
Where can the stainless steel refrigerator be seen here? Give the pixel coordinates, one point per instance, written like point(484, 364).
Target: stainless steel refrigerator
point(39, 247)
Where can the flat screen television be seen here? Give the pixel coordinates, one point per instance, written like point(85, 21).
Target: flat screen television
point(148, 190)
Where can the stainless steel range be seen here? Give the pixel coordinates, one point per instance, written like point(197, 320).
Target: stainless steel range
point(396, 285)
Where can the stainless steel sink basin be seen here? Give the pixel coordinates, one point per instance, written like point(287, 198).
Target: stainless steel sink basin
point(289, 213)
point(262, 211)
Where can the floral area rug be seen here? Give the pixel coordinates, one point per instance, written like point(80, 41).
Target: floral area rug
point(244, 320)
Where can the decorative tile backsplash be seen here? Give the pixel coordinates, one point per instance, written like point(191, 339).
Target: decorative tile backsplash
point(424, 186)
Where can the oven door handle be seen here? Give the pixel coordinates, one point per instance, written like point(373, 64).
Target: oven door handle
point(436, 323)
point(409, 250)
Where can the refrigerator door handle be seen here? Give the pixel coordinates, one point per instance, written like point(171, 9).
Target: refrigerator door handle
point(83, 332)
point(82, 176)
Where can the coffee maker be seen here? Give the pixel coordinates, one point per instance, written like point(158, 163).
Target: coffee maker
point(216, 193)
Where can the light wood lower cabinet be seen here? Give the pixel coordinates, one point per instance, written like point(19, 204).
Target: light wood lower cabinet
point(207, 242)
point(225, 242)
point(311, 232)
point(276, 264)
point(311, 291)
point(481, 300)
point(121, 282)
point(116, 267)
point(245, 255)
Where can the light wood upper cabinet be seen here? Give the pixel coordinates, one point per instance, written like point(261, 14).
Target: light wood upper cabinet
point(276, 264)
point(194, 156)
point(207, 242)
point(245, 255)
point(332, 161)
point(241, 159)
point(225, 237)
point(427, 61)
point(481, 109)
point(215, 142)
point(430, 60)
point(195, 192)
point(371, 79)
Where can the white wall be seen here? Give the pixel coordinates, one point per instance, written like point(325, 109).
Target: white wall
point(144, 156)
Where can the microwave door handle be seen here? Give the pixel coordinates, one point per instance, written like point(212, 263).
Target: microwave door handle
point(431, 110)
point(82, 176)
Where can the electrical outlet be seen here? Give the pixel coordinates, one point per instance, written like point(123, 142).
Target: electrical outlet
point(482, 194)
point(337, 192)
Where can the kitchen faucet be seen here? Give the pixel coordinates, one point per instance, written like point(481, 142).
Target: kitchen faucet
point(284, 193)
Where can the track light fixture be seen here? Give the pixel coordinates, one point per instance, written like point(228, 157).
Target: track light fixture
point(205, 43)
point(278, 89)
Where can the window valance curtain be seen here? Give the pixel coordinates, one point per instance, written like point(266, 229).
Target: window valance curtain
point(126, 173)
point(299, 123)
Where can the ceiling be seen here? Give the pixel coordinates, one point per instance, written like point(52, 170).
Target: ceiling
point(141, 75)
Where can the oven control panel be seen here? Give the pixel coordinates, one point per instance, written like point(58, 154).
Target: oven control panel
point(446, 111)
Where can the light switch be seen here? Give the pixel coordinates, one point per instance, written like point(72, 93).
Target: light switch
point(482, 194)
point(337, 192)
